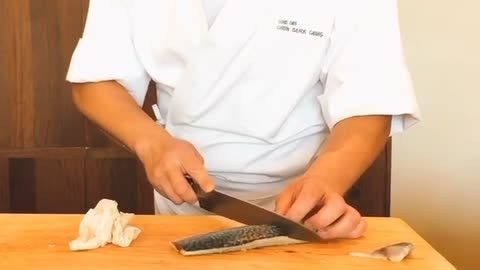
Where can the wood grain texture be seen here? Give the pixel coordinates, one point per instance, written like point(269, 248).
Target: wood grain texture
point(113, 152)
point(145, 200)
point(49, 236)
point(94, 136)
point(55, 28)
point(112, 179)
point(44, 152)
point(60, 185)
point(4, 186)
point(124, 184)
point(66, 152)
point(16, 73)
point(5, 80)
point(98, 181)
point(21, 174)
point(371, 194)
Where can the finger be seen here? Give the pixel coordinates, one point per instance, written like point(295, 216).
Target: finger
point(333, 208)
point(284, 201)
point(344, 226)
point(197, 171)
point(302, 205)
point(180, 185)
point(162, 185)
point(159, 180)
point(359, 230)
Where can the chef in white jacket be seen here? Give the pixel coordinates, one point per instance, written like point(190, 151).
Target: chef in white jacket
point(283, 103)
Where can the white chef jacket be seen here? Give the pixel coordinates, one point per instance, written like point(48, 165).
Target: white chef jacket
point(255, 85)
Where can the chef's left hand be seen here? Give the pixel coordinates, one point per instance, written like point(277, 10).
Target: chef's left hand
point(310, 201)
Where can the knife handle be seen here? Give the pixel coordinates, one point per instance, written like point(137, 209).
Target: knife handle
point(196, 188)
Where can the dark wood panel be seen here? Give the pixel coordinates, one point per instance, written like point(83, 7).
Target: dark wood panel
point(45, 152)
point(114, 152)
point(66, 152)
point(371, 194)
point(60, 185)
point(94, 137)
point(124, 184)
point(113, 179)
point(145, 200)
point(16, 73)
point(54, 31)
point(98, 181)
point(4, 186)
point(5, 81)
point(22, 185)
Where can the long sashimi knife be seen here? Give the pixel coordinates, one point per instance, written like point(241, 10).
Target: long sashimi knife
point(248, 213)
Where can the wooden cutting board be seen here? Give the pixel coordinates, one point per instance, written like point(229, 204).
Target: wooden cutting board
point(41, 242)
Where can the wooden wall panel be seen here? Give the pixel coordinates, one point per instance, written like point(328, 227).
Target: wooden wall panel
point(22, 185)
point(124, 184)
point(60, 185)
point(98, 182)
point(94, 136)
point(4, 186)
point(112, 179)
point(16, 68)
point(5, 81)
point(145, 192)
point(53, 39)
point(371, 194)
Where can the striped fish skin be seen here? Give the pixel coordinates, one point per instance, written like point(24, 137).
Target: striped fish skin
point(231, 237)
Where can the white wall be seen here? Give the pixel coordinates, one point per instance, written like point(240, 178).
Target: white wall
point(436, 165)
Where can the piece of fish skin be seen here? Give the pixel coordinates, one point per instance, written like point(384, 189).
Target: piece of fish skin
point(395, 252)
point(233, 239)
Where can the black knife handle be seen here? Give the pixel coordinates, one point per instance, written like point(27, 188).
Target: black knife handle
point(196, 188)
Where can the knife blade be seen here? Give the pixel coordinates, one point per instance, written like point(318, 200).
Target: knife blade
point(248, 213)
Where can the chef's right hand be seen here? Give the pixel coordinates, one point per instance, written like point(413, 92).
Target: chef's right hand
point(166, 161)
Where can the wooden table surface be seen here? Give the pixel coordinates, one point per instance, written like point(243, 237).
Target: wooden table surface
point(41, 242)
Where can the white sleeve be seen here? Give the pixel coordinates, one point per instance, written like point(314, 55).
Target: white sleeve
point(366, 72)
point(106, 50)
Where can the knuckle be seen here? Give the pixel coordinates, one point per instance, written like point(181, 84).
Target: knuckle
point(158, 173)
point(356, 217)
point(182, 190)
point(338, 199)
point(340, 204)
point(320, 221)
point(170, 165)
point(353, 214)
point(308, 196)
point(359, 229)
point(355, 222)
